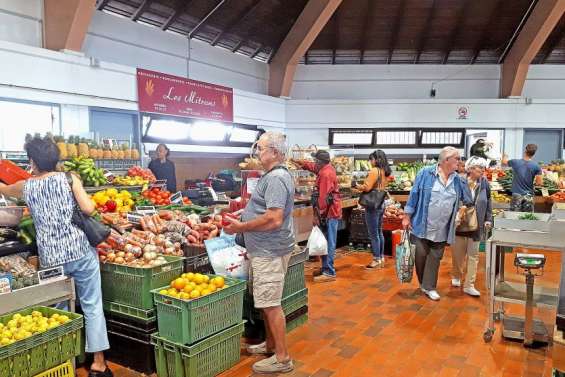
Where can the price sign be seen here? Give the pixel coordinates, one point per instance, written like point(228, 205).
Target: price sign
point(544, 192)
point(5, 282)
point(145, 210)
point(134, 218)
point(176, 198)
point(160, 184)
point(51, 274)
point(109, 175)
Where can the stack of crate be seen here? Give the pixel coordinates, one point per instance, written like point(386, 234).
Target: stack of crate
point(196, 259)
point(358, 234)
point(294, 300)
point(199, 337)
point(130, 310)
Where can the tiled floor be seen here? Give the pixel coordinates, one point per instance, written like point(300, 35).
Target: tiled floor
point(367, 324)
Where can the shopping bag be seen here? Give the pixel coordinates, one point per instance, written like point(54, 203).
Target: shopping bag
point(317, 244)
point(405, 259)
point(227, 258)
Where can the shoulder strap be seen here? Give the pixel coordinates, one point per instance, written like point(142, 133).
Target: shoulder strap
point(69, 179)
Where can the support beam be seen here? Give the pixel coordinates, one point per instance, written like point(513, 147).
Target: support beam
point(554, 39)
point(395, 29)
point(424, 35)
point(201, 24)
point(180, 8)
point(66, 23)
point(537, 28)
point(335, 35)
point(244, 14)
point(485, 34)
point(142, 8)
point(100, 4)
point(461, 15)
point(237, 45)
point(257, 51)
point(313, 18)
point(367, 24)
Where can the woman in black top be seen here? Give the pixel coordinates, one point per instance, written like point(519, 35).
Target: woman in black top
point(163, 168)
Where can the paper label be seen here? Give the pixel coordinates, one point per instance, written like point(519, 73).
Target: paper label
point(51, 274)
point(160, 184)
point(145, 210)
point(176, 198)
point(134, 218)
point(544, 192)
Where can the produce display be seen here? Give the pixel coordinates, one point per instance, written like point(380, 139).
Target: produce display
point(129, 181)
point(343, 164)
point(190, 286)
point(558, 197)
point(499, 197)
point(112, 200)
point(157, 197)
point(75, 146)
point(362, 165)
point(87, 170)
point(250, 163)
point(23, 273)
point(21, 327)
point(144, 174)
point(393, 212)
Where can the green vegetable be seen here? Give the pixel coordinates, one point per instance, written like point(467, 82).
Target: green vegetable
point(528, 216)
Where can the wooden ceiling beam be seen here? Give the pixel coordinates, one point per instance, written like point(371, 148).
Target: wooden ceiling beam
point(283, 65)
point(66, 22)
point(485, 34)
point(203, 22)
point(141, 9)
point(554, 39)
point(244, 14)
point(335, 35)
point(237, 45)
point(180, 8)
point(461, 16)
point(396, 29)
point(424, 35)
point(256, 52)
point(367, 24)
point(545, 15)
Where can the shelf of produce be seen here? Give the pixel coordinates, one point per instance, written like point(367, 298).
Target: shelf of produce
point(17, 248)
point(515, 293)
point(42, 294)
point(91, 190)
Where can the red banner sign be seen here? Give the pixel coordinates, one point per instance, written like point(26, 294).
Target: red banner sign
point(172, 95)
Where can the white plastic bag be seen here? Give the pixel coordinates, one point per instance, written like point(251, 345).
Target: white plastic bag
point(317, 244)
point(227, 258)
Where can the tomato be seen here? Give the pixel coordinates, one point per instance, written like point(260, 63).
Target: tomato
point(145, 194)
point(167, 192)
point(167, 201)
point(155, 190)
point(164, 195)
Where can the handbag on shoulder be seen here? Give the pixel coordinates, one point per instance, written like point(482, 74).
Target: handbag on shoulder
point(375, 198)
point(470, 222)
point(95, 231)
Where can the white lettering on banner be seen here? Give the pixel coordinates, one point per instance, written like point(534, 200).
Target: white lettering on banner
point(194, 98)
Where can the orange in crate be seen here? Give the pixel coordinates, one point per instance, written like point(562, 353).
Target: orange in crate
point(11, 173)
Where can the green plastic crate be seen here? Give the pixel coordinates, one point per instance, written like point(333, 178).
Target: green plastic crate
point(187, 322)
point(132, 285)
point(294, 280)
point(130, 312)
point(289, 305)
point(42, 351)
point(297, 322)
point(206, 358)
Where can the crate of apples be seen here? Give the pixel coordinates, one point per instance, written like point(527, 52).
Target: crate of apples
point(190, 286)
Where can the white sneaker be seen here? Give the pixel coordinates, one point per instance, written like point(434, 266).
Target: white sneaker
point(433, 295)
point(455, 282)
point(471, 291)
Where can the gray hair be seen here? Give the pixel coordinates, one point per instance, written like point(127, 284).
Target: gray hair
point(277, 141)
point(475, 161)
point(447, 152)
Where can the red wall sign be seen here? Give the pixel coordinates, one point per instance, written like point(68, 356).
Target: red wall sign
point(172, 95)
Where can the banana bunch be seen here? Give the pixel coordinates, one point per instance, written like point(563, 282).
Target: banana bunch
point(500, 198)
point(130, 181)
point(89, 173)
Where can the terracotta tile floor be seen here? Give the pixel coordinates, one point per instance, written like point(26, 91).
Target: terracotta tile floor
point(367, 324)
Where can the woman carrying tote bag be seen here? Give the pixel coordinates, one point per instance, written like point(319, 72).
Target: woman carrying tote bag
point(376, 180)
point(467, 242)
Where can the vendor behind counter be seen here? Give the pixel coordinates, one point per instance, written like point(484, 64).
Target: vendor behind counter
point(163, 168)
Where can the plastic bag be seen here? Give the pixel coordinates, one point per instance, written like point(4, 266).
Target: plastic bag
point(227, 258)
point(317, 244)
point(405, 259)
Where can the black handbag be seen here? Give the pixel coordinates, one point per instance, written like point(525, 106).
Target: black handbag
point(373, 199)
point(95, 231)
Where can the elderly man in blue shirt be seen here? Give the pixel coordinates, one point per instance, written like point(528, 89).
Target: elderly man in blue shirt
point(436, 197)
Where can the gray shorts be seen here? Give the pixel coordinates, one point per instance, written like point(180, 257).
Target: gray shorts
point(266, 277)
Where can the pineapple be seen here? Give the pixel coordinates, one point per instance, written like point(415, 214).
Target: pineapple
point(63, 154)
point(83, 148)
point(121, 153)
point(72, 150)
point(115, 152)
point(127, 151)
point(92, 150)
point(135, 153)
point(107, 154)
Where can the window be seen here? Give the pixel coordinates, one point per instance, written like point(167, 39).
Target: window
point(442, 137)
point(351, 137)
point(396, 138)
point(21, 118)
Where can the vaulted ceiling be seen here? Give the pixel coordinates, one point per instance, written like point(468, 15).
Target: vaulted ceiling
point(359, 32)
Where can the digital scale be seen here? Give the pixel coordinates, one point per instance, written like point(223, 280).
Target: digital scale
point(527, 329)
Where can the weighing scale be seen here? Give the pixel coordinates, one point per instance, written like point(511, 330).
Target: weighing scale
point(527, 329)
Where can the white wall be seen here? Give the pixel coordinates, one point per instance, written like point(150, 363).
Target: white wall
point(21, 21)
point(118, 40)
point(415, 81)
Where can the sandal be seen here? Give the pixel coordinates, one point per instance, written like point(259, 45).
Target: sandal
point(106, 373)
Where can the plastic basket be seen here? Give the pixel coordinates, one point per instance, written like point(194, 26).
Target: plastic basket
point(294, 280)
point(299, 257)
point(296, 322)
point(187, 322)
point(289, 305)
point(41, 351)
point(63, 370)
point(199, 263)
point(130, 313)
point(131, 348)
point(193, 250)
point(206, 358)
point(132, 285)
